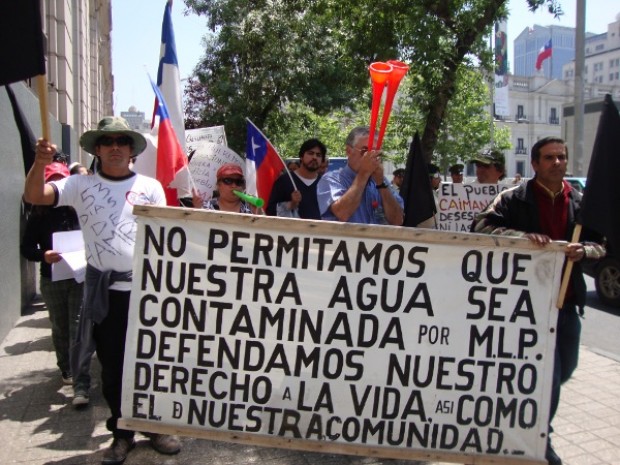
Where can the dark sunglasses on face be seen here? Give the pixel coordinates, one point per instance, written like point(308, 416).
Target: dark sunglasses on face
point(236, 181)
point(108, 141)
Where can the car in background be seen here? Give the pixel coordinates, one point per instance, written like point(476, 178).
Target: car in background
point(335, 163)
point(578, 184)
point(606, 274)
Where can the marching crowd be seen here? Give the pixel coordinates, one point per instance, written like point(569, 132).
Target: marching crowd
point(93, 316)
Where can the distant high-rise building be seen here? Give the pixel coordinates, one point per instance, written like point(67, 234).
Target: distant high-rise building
point(528, 44)
point(136, 119)
point(602, 57)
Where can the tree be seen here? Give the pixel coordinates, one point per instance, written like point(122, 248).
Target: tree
point(465, 128)
point(297, 123)
point(264, 54)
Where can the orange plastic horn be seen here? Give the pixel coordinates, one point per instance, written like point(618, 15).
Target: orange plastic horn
point(379, 73)
point(399, 69)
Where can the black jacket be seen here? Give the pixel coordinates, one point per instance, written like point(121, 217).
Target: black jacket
point(515, 212)
point(42, 223)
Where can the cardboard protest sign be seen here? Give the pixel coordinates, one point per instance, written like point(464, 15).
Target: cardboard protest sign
point(459, 203)
point(384, 341)
point(206, 160)
point(213, 135)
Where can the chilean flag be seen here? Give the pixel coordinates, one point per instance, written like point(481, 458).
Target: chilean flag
point(168, 77)
point(169, 84)
point(545, 52)
point(170, 155)
point(263, 165)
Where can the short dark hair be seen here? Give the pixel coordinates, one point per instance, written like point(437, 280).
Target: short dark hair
point(535, 155)
point(399, 172)
point(310, 144)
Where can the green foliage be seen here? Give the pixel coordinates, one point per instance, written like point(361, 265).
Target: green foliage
point(299, 68)
point(263, 55)
point(297, 123)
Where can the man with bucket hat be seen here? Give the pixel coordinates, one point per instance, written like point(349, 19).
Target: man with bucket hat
point(104, 204)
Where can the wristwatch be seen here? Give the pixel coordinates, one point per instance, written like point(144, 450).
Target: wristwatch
point(383, 185)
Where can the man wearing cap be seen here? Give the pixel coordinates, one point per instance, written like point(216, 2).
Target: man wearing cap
point(456, 173)
point(104, 204)
point(359, 192)
point(286, 198)
point(490, 166)
point(435, 177)
point(399, 177)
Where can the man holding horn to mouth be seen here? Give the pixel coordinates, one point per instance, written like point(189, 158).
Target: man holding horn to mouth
point(359, 192)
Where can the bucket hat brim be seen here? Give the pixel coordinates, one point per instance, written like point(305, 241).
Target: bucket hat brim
point(112, 125)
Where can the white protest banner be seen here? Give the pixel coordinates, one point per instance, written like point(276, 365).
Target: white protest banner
point(205, 162)
point(213, 135)
point(459, 203)
point(334, 337)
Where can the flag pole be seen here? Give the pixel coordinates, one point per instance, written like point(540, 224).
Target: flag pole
point(42, 90)
point(568, 270)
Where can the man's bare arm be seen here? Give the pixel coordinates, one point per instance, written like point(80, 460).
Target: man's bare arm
point(36, 191)
point(391, 208)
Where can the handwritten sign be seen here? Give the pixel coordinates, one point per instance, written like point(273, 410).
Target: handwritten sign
point(339, 337)
point(213, 135)
point(205, 162)
point(459, 203)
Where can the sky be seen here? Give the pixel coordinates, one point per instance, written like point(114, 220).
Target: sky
point(136, 38)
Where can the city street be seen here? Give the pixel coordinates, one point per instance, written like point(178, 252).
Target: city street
point(601, 325)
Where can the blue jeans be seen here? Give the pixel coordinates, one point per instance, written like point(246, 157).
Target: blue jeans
point(566, 353)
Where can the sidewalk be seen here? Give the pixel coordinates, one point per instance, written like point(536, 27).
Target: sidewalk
point(41, 427)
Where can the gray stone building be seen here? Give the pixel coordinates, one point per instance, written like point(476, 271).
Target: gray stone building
point(80, 86)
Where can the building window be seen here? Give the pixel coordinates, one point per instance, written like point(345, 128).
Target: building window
point(553, 116)
point(520, 113)
point(520, 150)
point(519, 167)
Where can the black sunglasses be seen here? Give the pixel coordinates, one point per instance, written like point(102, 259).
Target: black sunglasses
point(121, 141)
point(236, 181)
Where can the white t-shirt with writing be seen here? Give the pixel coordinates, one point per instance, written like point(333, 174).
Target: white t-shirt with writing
point(105, 209)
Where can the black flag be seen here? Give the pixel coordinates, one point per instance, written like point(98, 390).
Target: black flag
point(601, 198)
point(416, 190)
point(25, 132)
point(21, 40)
